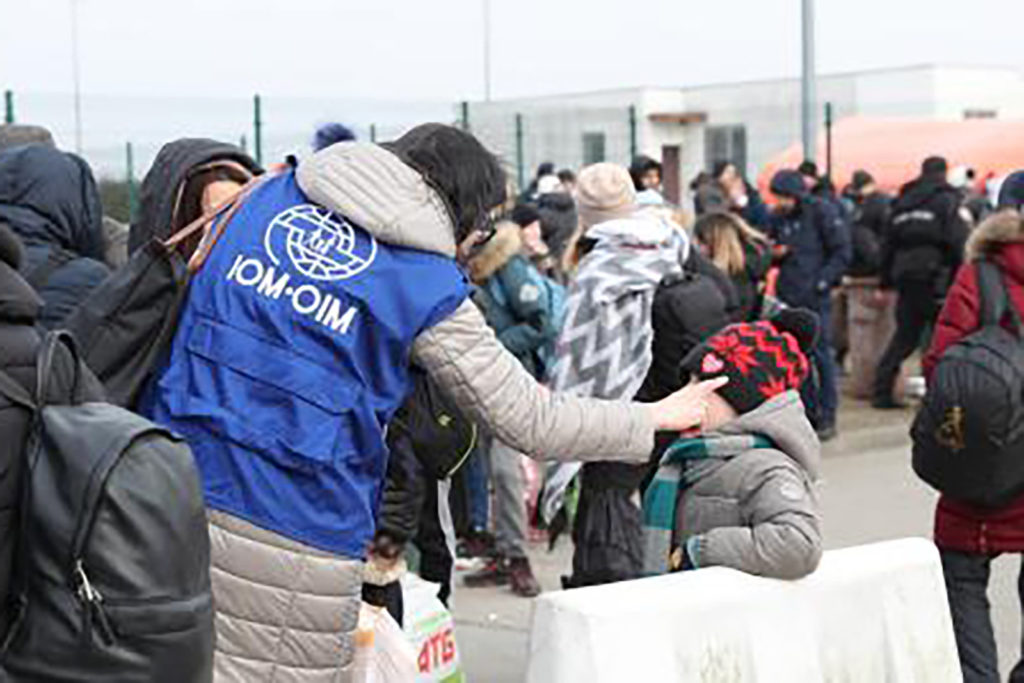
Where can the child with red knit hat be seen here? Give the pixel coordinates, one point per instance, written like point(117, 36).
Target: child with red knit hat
point(741, 492)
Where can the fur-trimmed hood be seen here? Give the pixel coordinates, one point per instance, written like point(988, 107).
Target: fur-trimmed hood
point(506, 243)
point(1000, 229)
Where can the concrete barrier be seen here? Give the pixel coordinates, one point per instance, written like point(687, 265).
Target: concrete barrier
point(869, 614)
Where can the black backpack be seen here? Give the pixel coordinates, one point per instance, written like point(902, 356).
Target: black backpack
point(969, 433)
point(111, 573)
point(442, 437)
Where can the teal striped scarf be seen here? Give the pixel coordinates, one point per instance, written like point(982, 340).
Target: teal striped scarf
point(683, 457)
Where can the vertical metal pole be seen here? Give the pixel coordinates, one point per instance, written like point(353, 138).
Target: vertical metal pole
point(520, 167)
point(807, 90)
point(8, 106)
point(632, 132)
point(132, 198)
point(243, 143)
point(464, 116)
point(257, 120)
point(828, 140)
point(76, 74)
point(487, 50)
point(373, 132)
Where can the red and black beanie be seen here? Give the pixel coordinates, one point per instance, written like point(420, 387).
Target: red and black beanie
point(761, 359)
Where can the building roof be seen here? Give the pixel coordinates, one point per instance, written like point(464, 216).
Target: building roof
point(751, 82)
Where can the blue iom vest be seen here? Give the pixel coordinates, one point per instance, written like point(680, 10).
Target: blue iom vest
point(289, 360)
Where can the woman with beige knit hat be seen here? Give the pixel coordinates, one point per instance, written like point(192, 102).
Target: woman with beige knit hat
point(621, 254)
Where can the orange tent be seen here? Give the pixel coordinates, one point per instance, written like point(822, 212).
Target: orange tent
point(892, 149)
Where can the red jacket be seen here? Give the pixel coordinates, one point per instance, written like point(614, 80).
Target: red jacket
point(959, 526)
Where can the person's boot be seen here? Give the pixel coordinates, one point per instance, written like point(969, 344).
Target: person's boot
point(827, 433)
point(524, 584)
point(476, 543)
point(495, 573)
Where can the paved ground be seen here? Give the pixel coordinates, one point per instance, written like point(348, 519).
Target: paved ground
point(869, 494)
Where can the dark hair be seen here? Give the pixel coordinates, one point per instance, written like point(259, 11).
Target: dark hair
point(469, 178)
point(808, 168)
point(524, 215)
point(719, 168)
point(639, 168)
point(331, 134)
point(860, 179)
point(566, 176)
point(934, 166)
point(699, 180)
point(546, 168)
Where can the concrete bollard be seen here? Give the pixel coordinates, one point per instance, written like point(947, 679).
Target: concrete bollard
point(871, 613)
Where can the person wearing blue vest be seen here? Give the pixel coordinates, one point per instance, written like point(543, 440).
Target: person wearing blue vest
point(292, 353)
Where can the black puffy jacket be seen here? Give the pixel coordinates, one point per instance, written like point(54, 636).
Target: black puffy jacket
point(687, 309)
point(926, 236)
point(19, 310)
point(49, 199)
point(870, 231)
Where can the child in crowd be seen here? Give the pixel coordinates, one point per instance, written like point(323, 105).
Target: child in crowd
point(741, 492)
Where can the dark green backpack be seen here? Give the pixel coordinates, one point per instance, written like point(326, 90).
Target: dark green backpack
point(442, 437)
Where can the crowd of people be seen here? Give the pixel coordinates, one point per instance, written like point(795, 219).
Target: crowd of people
point(390, 345)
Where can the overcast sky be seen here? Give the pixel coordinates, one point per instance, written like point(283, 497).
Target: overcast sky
point(431, 49)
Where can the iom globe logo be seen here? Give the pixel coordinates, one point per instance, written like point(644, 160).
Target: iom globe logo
point(320, 244)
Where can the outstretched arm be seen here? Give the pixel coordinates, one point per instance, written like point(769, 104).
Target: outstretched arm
point(464, 357)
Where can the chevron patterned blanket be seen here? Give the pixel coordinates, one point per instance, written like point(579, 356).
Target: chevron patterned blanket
point(604, 350)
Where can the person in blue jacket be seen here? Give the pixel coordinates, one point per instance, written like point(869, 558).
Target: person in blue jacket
point(292, 354)
point(813, 248)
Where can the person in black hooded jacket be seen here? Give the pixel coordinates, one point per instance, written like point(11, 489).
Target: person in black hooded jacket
point(188, 178)
point(20, 307)
point(687, 309)
point(920, 258)
point(19, 311)
point(49, 200)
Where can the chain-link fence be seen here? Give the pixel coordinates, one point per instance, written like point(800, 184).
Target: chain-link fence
point(120, 135)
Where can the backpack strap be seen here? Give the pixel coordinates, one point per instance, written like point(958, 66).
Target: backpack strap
point(45, 368)
point(225, 212)
point(995, 299)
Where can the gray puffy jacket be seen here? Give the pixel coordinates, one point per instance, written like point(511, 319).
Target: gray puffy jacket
point(757, 511)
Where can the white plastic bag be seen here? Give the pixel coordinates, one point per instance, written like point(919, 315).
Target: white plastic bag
point(430, 628)
point(383, 654)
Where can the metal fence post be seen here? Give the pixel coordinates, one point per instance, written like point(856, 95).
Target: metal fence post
point(8, 106)
point(828, 140)
point(464, 115)
point(258, 127)
point(519, 153)
point(632, 133)
point(373, 132)
point(132, 199)
point(243, 143)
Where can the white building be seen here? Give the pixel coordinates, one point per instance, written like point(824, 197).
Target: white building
point(690, 129)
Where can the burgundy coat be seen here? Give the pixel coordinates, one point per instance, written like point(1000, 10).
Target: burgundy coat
point(959, 526)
